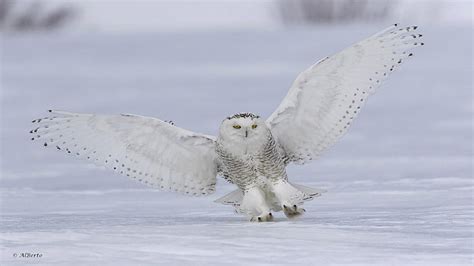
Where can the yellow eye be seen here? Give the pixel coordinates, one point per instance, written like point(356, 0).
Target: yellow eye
point(254, 126)
point(237, 126)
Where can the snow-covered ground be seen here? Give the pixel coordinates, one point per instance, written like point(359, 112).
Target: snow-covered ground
point(400, 186)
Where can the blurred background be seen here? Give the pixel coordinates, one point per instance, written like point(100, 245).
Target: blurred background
point(402, 175)
point(189, 15)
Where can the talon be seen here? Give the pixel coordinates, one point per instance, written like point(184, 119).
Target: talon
point(270, 217)
point(284, 207)
point(259, 219)
point(295, 207)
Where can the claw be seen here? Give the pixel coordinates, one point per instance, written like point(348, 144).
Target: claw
point(267, 217)
point(293, 212)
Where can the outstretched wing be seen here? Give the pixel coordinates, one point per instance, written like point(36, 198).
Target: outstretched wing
point(324, 99)
point(149, 150)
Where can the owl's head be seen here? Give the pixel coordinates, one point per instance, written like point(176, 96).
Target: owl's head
point(243, 127)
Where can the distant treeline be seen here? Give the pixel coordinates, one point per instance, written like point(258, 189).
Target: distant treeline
point(333, 11)
point(33, 16)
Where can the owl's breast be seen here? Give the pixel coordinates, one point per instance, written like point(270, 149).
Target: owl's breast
point(246, 165)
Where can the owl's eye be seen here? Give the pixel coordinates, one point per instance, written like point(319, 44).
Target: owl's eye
point(237, 126)
point(254, 126)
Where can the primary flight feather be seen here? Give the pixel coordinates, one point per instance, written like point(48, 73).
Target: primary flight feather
point(250, 152)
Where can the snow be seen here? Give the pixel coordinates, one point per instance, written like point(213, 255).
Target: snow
point(399, 183)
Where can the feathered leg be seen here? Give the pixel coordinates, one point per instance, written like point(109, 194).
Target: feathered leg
point(255, 205)
point(290, 198)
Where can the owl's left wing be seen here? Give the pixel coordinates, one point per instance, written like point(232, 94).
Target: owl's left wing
point(324, 99)
point(147, 149)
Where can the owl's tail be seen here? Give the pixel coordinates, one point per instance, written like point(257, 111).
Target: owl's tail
point(235, 197)
point(310, 193)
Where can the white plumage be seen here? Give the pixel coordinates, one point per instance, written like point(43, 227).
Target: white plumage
point(249, 152)
point(143, 148)
point(324, 99)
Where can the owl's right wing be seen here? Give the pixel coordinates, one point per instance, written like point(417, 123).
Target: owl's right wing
point(324, 99)
point(147, 149)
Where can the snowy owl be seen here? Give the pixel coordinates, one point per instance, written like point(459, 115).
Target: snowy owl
point(249, 151)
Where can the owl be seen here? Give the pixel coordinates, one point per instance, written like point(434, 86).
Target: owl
point(250, 152)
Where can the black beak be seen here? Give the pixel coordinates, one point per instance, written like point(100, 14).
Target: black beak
point(246, 133)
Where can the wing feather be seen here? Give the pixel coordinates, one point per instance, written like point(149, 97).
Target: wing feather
point(146, 149)
point(325, 99)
